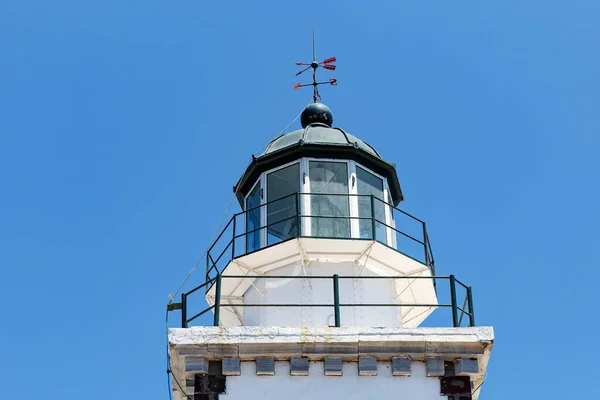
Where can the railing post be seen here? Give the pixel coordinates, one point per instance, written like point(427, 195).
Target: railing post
point(453, 299)
point(425, 242)
point(471, 312)
point(207, 267)
point(373, 227)
point(233, 240)
point(217, 300)
point(184, 323)
point(336, 300)
point(298, 231)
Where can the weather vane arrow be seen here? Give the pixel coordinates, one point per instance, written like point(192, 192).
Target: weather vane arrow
point(328, 64)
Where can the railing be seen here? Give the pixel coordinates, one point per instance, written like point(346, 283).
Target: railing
point(318, 215)
point(454, 285)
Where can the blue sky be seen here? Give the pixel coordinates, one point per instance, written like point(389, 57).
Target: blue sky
point(125, 124)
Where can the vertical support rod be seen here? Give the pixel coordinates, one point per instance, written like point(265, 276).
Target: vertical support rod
point(373, 227)
point(217, 301)
point(298, 230)
point(425, 242)
point(184, 322)
point(207, 268)
point(233, 239)
point(336, 299)
point(453, 299)
point(471, 312)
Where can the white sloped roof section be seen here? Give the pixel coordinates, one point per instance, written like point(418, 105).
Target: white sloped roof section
point(372, 259)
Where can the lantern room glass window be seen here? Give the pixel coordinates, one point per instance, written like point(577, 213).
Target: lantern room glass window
point(282, 210)
point(319, 198)
point(329, 201)
point(368, 184)
point(253, 222)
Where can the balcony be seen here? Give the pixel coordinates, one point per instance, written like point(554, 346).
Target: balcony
point(248, 253)
point(322, 216)
point(461, 314)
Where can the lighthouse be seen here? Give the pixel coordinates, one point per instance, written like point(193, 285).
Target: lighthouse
point(322, 287)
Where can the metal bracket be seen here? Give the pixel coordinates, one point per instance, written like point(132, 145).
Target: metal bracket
point(242, 265)
point(368, 248)
point(305, 261)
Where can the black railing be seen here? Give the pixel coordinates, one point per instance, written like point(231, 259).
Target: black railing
point(319, 215)
point(454, 287)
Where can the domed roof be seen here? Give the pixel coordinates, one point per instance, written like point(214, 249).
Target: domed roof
point(317, 140)
point(318, 134)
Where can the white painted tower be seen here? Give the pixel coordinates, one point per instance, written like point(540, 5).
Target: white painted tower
point(320, 286)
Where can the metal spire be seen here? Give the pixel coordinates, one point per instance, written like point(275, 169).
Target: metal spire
point(326, 64)
point(314, 47)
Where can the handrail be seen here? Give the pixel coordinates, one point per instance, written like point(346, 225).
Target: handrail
point(296, 230)
point(329, 277)
point(401, 211)
point(264, 227)
point(266, 204)
point(221, 234)
point(397, 231)
point(466, 309)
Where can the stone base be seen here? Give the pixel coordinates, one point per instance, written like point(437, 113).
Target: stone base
point(441, 351)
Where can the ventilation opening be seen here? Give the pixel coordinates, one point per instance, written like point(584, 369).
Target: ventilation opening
point(209, 386)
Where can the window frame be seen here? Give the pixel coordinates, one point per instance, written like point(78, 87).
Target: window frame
point(306, 222)
point(261, 214)
point(264, 177)
point(388, 210)
point(262, 181)
point(305, 208)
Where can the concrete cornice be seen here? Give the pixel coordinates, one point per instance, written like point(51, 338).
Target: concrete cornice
point(349, 343)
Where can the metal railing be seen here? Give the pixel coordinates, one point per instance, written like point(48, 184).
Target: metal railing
point(458, 312)
point(300, 215)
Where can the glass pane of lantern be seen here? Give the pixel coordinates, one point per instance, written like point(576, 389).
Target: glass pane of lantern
point(369, 184)
point(330, 179)
point(253, 219)
point(281, 213)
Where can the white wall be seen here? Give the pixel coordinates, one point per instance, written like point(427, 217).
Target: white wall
point(318, 386)
point(320, 291)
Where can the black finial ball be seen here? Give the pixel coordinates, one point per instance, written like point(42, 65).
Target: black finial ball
point(316, 112)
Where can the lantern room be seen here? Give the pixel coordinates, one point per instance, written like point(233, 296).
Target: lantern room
point(318, 182)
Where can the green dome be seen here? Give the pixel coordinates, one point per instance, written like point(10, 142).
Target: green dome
point(318, 134)
point(317, 141)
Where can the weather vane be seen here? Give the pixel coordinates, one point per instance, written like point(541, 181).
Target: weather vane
point(326, 64)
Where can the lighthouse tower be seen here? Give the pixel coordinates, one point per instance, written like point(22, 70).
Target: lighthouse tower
point(322, 288)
